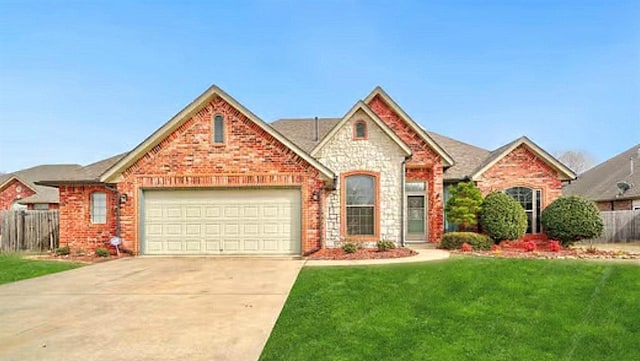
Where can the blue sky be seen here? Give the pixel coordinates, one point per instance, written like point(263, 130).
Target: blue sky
point(84, 80)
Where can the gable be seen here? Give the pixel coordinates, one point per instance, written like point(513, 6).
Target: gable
point(426, 150)
point(190, 126)
point(190, 149)
point(361, 111)
point(561, 171)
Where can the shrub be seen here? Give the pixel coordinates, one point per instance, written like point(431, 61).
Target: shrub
point(63, 251)
point(350, 247)
point(502, 217)
point(571, 219)
point(385, 245)
point(455, 240)
point(554, 246)
point(529, 246)
point(466, 247)
point(464, 204)
point(102, 252)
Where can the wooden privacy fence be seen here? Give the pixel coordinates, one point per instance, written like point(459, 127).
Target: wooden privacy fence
point(35, 231)
point(620, 226)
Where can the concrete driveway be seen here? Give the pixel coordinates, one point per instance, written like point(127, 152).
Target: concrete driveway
point(147, 309)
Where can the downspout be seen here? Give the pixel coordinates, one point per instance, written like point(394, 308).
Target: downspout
point(402, 201)
point(117, 192)
point(320, 193)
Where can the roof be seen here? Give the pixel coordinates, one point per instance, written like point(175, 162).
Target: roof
point(564, 172)
point(113, 173)
point(447, 160)
point(30, 176)
point(600, 182)
point(374, 117)
point(301, 130)
point(88, 174)
point(467, 157)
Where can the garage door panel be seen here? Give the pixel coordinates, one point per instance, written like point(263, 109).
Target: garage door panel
point(222, 221)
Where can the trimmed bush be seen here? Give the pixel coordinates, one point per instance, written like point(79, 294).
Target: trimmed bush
point(571, 219)
point(350, 247)
point(502, 217)
point(102, 252)
point(455, 240)
point(63, 251)
point(385, 245)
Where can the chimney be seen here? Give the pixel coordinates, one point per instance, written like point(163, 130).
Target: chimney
point(316, 129)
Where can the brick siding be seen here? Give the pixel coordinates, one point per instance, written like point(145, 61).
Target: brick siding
point(9, 194)
point(425, 165)
point(187, 158)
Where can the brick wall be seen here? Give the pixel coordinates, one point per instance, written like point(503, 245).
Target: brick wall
point(522, 168)
point(187, 158)
point(76, 229)
point(10, 193)
point(424, 165)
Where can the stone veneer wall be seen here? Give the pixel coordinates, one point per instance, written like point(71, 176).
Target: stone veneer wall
point(378, 153)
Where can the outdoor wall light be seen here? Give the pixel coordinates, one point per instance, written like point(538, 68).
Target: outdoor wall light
point(123, 198)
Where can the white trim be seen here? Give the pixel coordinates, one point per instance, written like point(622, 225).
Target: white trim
point(360, 105)
point(549, 159)
point(113, 174)
point(447, 160)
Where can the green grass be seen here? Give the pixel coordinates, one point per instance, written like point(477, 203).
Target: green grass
point(462, 309)
point(14, 268)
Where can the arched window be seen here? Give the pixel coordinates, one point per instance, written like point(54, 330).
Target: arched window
point(360, 205)
point(98, 207)
point(530, 201)
point(360, 130)
point(218, 129)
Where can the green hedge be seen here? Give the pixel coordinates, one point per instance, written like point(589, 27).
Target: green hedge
point(570, 219)
point(502, 217)
point(454, 240)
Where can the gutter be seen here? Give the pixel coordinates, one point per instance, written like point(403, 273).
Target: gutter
point(403, 231)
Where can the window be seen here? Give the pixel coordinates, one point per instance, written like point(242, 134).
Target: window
point(41, 206)
point(218, 129)
point(360, 205)
point(360, 130)
point(530, 201)
point(98, 207)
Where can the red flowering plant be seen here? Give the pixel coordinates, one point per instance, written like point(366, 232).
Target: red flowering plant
point(466, 247)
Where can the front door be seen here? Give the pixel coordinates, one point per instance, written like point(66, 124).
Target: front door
point(416, 211)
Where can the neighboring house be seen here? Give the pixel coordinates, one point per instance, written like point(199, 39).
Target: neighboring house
point(217, 179)
point(613, 184)
point(19, 191)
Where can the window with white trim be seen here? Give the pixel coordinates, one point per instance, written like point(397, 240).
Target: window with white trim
point(41, 206)
point(98, 208)
point(360, 205)
point(529, 199)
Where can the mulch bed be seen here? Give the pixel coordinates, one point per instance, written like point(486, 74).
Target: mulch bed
point(543, 251)
point(363, 253)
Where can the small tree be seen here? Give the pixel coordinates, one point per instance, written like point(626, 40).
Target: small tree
point(570, 219)
point(502, 217)
point(464, 204)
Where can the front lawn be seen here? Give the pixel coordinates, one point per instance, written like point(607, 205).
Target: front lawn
point(14, 268)
point(462, 309)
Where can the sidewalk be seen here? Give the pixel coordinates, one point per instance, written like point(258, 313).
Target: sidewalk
point(424, 255)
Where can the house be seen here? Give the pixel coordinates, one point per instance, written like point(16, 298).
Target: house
point(216, 179)
point(613, 184)
point(19, 191)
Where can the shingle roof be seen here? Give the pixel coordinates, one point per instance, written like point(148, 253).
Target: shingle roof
point(600, 182)
point(301, 130)
point(467, 157)
point(31, 175)
point(88, 173)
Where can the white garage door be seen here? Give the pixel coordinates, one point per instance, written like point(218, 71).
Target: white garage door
point(238, 221)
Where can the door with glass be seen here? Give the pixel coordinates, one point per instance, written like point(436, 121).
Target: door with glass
point(416, 212)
